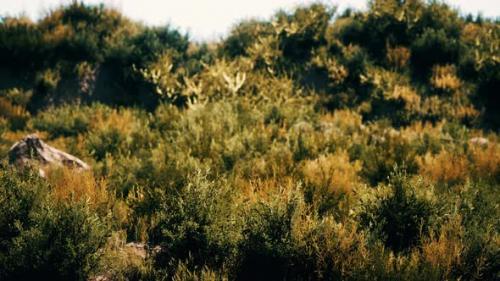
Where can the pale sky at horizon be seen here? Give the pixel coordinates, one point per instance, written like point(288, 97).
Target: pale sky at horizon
point(210, 19)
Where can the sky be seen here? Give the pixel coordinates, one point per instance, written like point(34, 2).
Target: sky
point(211, 19)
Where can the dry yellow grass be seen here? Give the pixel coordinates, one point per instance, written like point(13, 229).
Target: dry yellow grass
point(444, 77)
point(11, 111)
point(334, 172)
point(444, 167)
point(254, 190)
point(122, 120)
point(409, 96)
point(342, 119)
point(444, 250)
point(486, 160)
point(398, 57)
point(68, 185)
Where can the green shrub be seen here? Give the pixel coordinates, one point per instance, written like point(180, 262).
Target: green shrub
point(19, 195)
point(431, 48)
point(385, 149)
point(61, 244)
point(243, 35)
point(401, 218)
point(103, 142)
point(153, 42)
point(303, 31)
point(64, 121)
point(198, 222)
point(21, 44)
point(45, 239)
point(267, 249)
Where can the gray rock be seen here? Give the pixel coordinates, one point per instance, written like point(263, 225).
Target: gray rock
point(143, 250)
point(32, 151)
point(479, 141)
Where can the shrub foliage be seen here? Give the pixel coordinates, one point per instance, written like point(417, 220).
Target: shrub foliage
point(271, 154)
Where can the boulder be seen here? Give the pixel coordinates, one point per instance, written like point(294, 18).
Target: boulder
point(32, 151)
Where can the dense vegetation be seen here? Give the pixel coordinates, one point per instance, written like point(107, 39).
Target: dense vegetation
point(311, 146)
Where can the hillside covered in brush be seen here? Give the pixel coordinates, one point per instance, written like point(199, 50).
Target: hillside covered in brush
point(313, 145)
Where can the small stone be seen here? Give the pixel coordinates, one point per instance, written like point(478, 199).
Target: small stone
point(479, 141)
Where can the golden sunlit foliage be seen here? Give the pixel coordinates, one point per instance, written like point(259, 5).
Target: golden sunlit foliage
point(313, 145)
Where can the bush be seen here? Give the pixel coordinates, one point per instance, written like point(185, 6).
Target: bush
point(303, 31)
point(431, 48)
point(267, 249)
point(447, 168)
point(385, 149)
point(61, 244)
point(19, 195)
point(401, 218)
point(64, 121)
point(16, 115)
point(295, 123)
point(197, 222)
point(44, 239)
point(108, 141)
point(242, 36)
point(330, 178)
point(153, 42)
point(21, 44)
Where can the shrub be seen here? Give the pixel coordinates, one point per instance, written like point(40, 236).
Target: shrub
point(17, 96)
point(104, 142)
point(151, 43)
point(330, 178)
point(334, 173)
point(4, 124)
point(267, 249)
point(444, 250)
point(486, 161)
point(445, 78)
point(296, 123)
point(398, 57)
point(401, 218)
point(182, 272)
point(16, 115)
point(114, 131)
point(60, 244)
point(21, 44)
point(19, 195)
point(68, 185)
point(242, 37)
point(197, 222)
point(303, 31)
point(446, 167)
point(385, 148)
point(44, 239)
point(431, 48)
point(332, 250)
point(121, 262)
point(64, 121)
